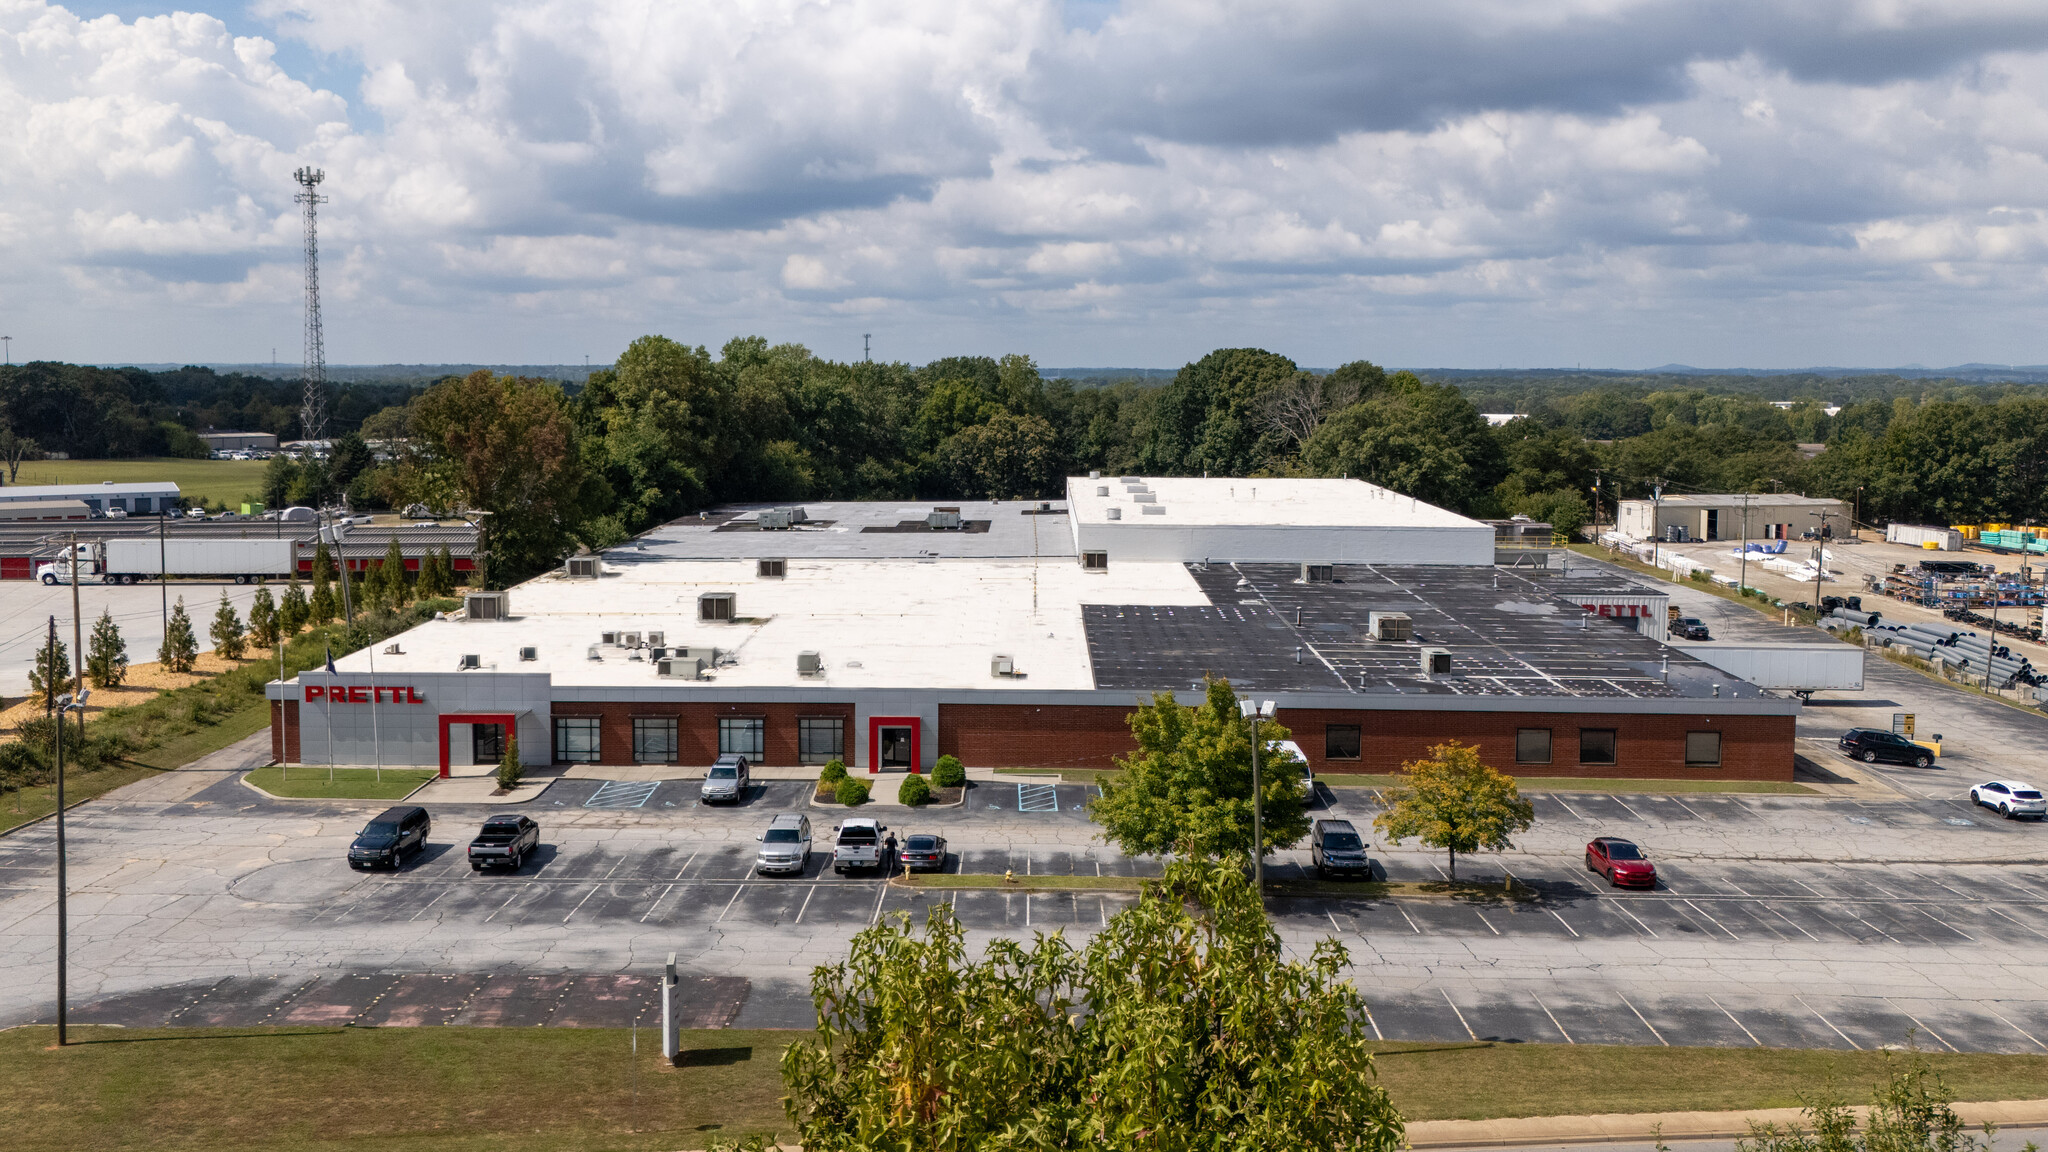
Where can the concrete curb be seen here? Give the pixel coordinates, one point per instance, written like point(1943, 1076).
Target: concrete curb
point(1648, 1126)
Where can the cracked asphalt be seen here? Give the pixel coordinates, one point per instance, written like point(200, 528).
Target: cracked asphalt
point(1891, 910)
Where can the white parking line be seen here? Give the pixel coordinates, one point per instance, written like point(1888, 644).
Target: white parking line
point(657, 903)
point(1945, 924)
point(1460, 1015)
point(1787, 919)
point(1993, 909)
point(1485, 921)
point(1922, 1027)
point(736, 890)
point(1560, 920)
point(686, 864)
point(1570, 809)
point(1376, 1033)
point(1645, 1020)
point(1826, 1021)
point(1711, 920)
point(807, 903)
point(1688, 808)
point(1630, 811)
point(1639, 923)
point(1553, 1018)
point(881, 893)
point(1404, 916)
point(1333, 921)
point(1737, 1023)
point(424, 907)
point(582, 902)
point(501, 907)
point(2016, 1028)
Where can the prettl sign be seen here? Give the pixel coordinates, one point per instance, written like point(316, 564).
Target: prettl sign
point(362, 694)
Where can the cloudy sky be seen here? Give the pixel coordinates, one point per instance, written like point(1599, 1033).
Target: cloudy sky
point(1614, 183)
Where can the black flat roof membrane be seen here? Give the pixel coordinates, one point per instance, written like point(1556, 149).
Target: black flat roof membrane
point(1268, 631)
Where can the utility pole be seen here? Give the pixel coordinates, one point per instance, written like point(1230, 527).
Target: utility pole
point(62, 704)
point(1742, 581)
point(1596, 507)
point(77, 639)
point(1253, 714)
point(1820, 560)
point(313, 407)
point(163, 566)
point(1656, 519)
point(865, 358)
point(1996, 596)
point(7, 342)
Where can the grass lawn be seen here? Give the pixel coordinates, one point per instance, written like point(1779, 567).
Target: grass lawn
point(309, 782)
point(22, 805)
point(544, 1089)
point(178, 751)
point(223, 481)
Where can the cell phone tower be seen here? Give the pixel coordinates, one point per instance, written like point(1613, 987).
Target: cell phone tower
point(313, 410)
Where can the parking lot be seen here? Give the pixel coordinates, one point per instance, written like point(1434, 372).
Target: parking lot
point(26, 606)
point(1781, 920)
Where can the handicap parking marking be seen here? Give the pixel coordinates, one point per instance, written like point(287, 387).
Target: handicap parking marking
point(616, 794)
point(1038, 798)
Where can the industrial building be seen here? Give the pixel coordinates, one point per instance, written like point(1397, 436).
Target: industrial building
point(239, 441)
point(1024, 633)
point(1771, 516)
point(139, 499)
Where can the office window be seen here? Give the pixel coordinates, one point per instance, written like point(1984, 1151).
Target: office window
point(1703, 748)
point(1532, 745)
point(820, 738)
point(742, 735)
point(1340, 742)
point(654, 739)
point(576, 739)
point(1596, 745)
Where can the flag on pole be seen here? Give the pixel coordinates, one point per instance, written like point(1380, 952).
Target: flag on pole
point(330, 660)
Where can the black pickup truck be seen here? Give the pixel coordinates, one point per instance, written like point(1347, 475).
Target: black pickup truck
point(503, 843)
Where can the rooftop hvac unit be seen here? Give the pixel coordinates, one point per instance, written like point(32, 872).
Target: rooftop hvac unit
point(1144, 497)
point(656, 639)
point(529, 654)
point(469, 661)
point(1116, 513)
point(771, 569)
point(1004, 667)
point(583, 567)
point(1102, 490)
point(716, 607)
point(630, 639)
point(487, 606)
point(1154, 509)
point(679, 668)
point(1436, 661)
point(943, 519)
point(1393, 627)
point(1318, 573)
point(611, 638)
point(809, 664)
point(773, 520)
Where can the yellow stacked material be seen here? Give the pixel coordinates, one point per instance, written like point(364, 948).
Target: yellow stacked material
point(1931, 546)
point(1969, 531)
point(1996, 527)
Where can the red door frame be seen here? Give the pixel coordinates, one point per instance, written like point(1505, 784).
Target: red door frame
point(875, 726)
point(509, 719)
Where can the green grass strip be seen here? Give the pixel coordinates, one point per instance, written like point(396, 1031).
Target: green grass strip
point(312, 782)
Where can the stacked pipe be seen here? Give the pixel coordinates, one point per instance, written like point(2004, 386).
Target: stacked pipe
point(1968, 652)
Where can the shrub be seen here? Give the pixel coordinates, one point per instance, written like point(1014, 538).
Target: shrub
point(949, 772)
point(851, 793)
point(508, 766)
point(834, 772)
point(914, 791)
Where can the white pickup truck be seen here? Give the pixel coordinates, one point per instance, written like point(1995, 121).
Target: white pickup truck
point(858, 844)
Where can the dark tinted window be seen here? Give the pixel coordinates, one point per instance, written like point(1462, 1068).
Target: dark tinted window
point(783, 836)
point(725, 772)
point(1532, 746)
point(380, 828)
point(1341, 842)
point(1340, 742)
point(922, 843)
point(857, 836)
point(1596, 745)
point(1622, 852)
point(2026, 794)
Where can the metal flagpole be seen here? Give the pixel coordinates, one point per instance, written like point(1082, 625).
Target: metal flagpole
point(376, 733)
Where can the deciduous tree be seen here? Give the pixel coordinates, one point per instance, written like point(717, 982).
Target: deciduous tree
point(1455, 802)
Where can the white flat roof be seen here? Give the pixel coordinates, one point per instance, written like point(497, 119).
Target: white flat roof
point(1264, 503)
point(875, 623)
point(86, 491)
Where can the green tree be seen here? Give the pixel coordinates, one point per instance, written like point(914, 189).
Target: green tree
point(322, 605)
point(278, 477)
point(392, 576)
point(509, 768)
point(1212, 417)
point(106, 655)
point(435, 580)
point(264, 626)
point(1421, 440)
point(1909, 1112)
point(1181, 1025)
point(1004, 457)
point(1188, 787)
point(293, 611)
point(227, 630)
point(447, 577)
point(180, 649)
point(50, 676)
point(349, 458)
point(1455, 802)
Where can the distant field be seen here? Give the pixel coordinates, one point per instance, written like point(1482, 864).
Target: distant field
point(222, 481)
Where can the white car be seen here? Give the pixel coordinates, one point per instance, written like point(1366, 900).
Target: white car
point(2011, 798)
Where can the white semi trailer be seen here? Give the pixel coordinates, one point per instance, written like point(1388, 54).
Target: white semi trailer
point(1802, 669)
point(145, 558)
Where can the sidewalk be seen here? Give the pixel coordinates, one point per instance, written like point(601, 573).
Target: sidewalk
point(1645, 1127)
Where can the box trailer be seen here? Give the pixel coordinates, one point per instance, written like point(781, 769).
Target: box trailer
point(1922, 535)
point(1802, 669)
point(243, 561)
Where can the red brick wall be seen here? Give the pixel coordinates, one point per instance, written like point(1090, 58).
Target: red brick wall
point(284, 731)
point(697, 728)
point(1646, 747)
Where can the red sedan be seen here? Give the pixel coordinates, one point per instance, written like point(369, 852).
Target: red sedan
point(1621, 862)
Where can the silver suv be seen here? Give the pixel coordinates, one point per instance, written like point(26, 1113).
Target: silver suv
point(786, 845)
point(727, 780)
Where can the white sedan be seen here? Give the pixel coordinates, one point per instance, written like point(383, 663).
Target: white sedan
point(2011, 798)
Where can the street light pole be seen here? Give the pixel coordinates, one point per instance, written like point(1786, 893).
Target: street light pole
point(77, 637)
point(63, 704)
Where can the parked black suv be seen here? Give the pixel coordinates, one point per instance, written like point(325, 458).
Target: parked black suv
point(1690, 628)
point(390, 837)
point(1335, 846)
point(1873, 744)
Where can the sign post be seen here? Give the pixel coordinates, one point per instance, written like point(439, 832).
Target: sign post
point(671, 1011)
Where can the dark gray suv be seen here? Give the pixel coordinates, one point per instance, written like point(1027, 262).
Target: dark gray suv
point(1337, 849)
point(390, 837)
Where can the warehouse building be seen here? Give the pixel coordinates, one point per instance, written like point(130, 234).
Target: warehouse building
point(1023, 634)
point(239, 441)
point(1731, 517)
point(138, 499)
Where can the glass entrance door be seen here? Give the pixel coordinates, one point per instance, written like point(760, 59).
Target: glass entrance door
point(895, 750)
point(488, 743)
